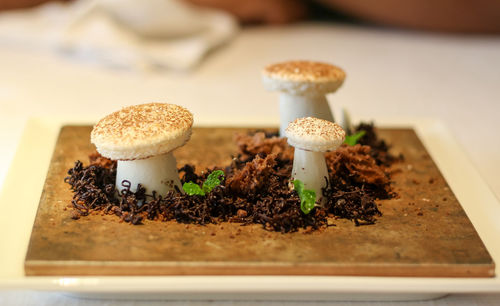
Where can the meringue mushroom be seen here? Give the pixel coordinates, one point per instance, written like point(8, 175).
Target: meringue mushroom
point(311, 137)
point(142, 138)
point(303, 86)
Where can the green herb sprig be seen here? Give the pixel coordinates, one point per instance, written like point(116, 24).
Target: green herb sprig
point(210, 183)
point(353, 139)
point(307, 197)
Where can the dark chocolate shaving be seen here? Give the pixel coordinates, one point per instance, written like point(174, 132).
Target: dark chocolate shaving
point(254, 191)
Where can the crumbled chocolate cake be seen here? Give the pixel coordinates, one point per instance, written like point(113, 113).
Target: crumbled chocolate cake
point(255, 188)
point(262, 143)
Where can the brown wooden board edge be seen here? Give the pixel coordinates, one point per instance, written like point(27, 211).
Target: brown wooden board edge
point(96, 268)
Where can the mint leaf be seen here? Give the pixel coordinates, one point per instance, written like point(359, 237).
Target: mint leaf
point(192, 189)
point(298, 186)
point(307, 201)
point(212, 180)
point(307, 197)
point(354, 138)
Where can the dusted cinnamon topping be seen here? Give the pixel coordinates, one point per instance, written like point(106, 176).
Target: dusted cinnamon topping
point(141, 131)
point(305, 71)
point(314, 134)
point(135, 123)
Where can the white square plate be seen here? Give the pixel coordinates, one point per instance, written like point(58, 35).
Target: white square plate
point(24, 182)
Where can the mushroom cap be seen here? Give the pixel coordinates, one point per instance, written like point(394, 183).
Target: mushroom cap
point(303, 77)
point(313, 134)
point(142, 131)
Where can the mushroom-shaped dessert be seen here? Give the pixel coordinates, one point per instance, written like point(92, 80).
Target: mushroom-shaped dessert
point(311, 137)
point(142, 138)
point(303, 86)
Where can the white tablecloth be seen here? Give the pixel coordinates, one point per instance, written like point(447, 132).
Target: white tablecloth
point(55, 299)
point(390, 73)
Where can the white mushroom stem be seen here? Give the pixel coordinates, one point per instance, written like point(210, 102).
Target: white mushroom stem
point(310, 168)
point(298, 106)
point(157, 173)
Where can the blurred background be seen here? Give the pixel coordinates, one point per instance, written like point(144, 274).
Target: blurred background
point(413, 58)
point(419, 58)
point(83, 59)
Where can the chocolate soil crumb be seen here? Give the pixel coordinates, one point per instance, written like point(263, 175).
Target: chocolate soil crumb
point(380, 149)
point(255, 189)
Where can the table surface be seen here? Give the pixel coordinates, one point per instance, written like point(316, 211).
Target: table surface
point(390, 74)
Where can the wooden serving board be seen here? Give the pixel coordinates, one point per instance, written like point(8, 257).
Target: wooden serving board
point(424, 232)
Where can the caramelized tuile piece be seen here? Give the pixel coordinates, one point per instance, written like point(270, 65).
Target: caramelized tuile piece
point(358, 162)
